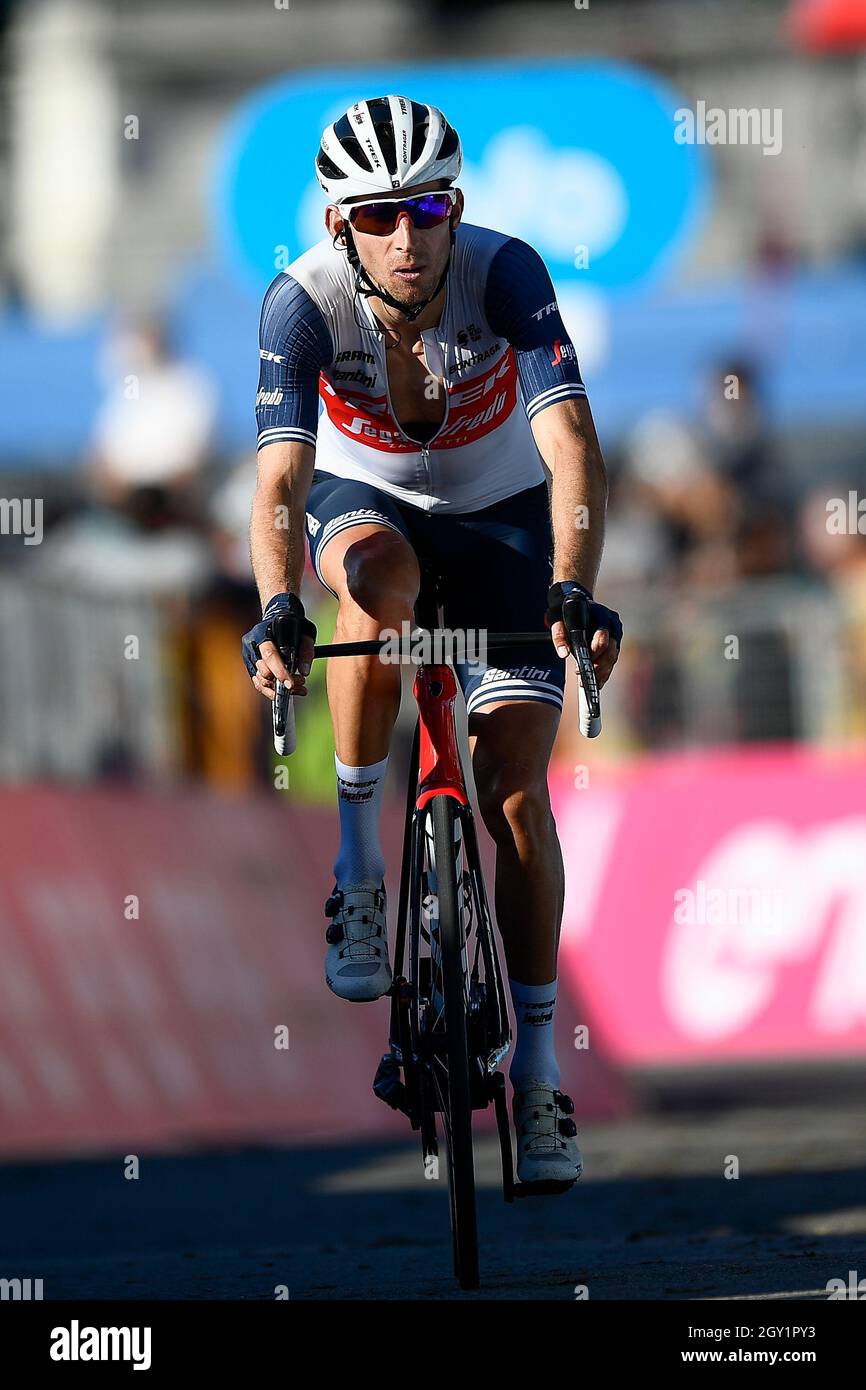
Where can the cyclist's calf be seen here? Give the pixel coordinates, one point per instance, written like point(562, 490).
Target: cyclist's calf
point(515, 808)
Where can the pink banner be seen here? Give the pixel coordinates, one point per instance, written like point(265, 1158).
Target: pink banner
point(155, 954)
point(716, 905)
point(162, 977)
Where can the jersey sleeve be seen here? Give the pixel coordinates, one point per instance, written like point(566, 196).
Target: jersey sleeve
point(520, 305)
point(294, 346)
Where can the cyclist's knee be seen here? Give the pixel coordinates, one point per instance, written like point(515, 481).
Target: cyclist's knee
point(379, 575)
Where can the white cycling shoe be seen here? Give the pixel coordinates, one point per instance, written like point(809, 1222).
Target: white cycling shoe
point(356, 964)
point(547, 1151)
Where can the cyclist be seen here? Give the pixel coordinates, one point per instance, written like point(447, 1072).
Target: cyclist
point(446, 376)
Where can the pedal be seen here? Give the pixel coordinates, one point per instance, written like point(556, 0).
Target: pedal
point(387, 1084)
point(549, 1188)
point(497, 1090)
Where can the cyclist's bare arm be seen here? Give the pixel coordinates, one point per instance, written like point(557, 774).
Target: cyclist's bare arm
point(277, 546)
point(567, 441)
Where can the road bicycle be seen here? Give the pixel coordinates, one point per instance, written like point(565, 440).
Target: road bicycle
point(449, 1027)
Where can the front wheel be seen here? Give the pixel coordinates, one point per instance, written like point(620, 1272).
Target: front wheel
point(455, 1087)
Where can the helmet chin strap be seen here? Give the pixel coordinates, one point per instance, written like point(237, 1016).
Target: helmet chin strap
point(371, 289)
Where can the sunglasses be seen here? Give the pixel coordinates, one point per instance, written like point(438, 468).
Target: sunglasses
point(380, 218)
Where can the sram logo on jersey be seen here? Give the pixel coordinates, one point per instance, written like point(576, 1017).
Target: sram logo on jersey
point(355, 355)
point(359, 375)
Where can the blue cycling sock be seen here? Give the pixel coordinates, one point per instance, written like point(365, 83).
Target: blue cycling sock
point(534, 1055)
point(359, 792)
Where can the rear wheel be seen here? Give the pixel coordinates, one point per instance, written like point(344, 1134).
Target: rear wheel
point(451, 1063)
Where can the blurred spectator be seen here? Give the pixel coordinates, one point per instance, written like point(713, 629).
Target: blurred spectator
point(143, 531)
point(156, 424)
point(736, 440)
point(734, 429)
point(229, 513)
point(637, 547)
point(838, 557)
point(672, 489)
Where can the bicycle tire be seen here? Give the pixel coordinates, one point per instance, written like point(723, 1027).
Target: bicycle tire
point(457, 1123)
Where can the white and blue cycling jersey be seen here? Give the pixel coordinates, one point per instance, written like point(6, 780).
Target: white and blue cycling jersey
point(473, 494)
point(500, 347)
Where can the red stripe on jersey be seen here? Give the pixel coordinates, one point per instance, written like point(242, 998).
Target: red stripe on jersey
point(478, 406)
point(475, 408)
point(365, 418)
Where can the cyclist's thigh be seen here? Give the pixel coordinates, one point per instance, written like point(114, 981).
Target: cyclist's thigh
point(496, 581)
point(342, 512)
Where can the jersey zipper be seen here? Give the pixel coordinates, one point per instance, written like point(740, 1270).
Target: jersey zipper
point(425, 448)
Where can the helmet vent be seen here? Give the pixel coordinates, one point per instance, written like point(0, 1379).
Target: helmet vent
point(420, 127)
point(351, 144)
point(385, 136)
point(328, 168)
point(449, 143)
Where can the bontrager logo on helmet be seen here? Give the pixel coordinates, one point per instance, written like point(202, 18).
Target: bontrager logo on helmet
point(386, 143)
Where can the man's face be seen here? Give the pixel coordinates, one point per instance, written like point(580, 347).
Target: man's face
point(408, 263)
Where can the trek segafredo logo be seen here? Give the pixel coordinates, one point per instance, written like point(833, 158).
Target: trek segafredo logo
point(77, 1343)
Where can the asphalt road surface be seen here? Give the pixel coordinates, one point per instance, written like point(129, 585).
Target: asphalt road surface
point(653, 1217)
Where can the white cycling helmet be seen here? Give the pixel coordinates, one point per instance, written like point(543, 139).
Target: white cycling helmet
point(386, 143)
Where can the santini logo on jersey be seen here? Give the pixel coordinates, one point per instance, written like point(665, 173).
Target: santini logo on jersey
point(363, 378)
point(522, 673)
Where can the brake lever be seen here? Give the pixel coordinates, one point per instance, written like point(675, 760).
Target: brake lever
point(575, 617)
point(283, 711)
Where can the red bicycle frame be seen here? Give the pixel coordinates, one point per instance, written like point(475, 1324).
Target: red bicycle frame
point(439, 769)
